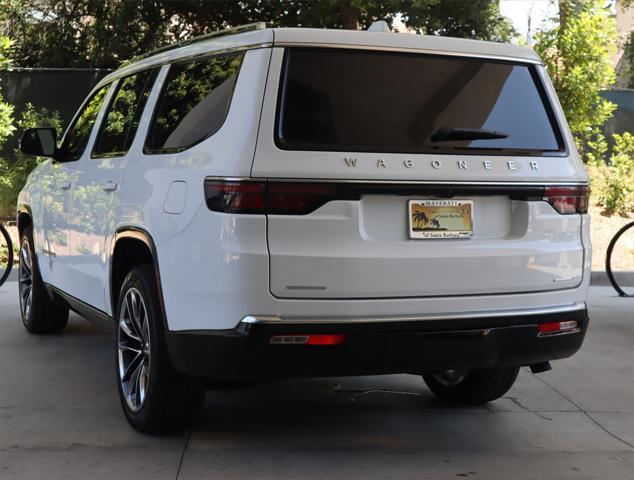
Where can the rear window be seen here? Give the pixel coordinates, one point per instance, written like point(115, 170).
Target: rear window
point(368, 101)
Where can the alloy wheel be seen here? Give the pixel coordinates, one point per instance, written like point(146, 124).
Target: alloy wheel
point(26, 279)
point(134, 349)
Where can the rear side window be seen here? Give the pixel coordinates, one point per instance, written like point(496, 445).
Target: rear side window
point(354, 100)
point(124, 113)
point(194, 102)
point(78, 134)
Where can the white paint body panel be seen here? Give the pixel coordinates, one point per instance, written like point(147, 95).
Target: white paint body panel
point(218, 268)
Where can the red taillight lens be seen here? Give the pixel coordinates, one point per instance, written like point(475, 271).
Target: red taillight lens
point(236, 197)
point(275, 198)
point(567, 200)
point(299, 198)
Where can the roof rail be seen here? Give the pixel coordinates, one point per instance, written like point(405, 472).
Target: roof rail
point(201, 38)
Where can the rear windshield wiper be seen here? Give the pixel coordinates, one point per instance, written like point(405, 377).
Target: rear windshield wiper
point(446, 134)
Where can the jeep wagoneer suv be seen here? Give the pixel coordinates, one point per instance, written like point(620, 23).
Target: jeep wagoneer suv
point(298, 202)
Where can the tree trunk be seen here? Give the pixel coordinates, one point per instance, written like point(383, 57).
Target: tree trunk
point(348, 15)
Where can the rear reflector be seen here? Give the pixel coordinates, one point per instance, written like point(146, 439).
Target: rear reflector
point(568, 200)
point(337, 339)
point(552, 328)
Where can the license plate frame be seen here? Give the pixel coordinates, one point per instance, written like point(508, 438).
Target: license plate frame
point(438, 219)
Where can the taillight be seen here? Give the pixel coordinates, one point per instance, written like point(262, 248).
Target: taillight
point(275, 198)
point(299, 198)
point(236, 196)
point(568, 200)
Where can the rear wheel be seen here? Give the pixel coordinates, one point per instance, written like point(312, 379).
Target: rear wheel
point(154, 397)
point(471, 387)
point(39, 313)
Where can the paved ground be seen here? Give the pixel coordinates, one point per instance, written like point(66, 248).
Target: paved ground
point(60, 419)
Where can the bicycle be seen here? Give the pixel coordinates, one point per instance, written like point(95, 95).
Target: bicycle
point(6, 254)
point(622, 246)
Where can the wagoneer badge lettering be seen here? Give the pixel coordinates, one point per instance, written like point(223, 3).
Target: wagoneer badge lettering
point(437, 164)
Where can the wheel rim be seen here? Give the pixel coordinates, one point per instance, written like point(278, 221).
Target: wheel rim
point(450, 378)
point(134, 349)
point(26, 279)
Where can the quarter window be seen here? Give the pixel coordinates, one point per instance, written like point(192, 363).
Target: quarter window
point(78, 134)
point(124, 114)
point(194, 102)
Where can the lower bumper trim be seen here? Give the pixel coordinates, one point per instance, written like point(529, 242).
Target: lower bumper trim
point(373, 348)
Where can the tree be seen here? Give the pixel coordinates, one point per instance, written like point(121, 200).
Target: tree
point(102, 33)
point(14, 170)
point(477, 19)
point(6, 110)
point(577, 53)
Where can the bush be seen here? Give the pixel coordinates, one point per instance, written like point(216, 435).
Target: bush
point(15, 169)
point(617, 194)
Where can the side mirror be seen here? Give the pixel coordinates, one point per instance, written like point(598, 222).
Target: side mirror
point(40, 142)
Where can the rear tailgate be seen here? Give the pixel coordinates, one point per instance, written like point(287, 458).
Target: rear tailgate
point(364, 122)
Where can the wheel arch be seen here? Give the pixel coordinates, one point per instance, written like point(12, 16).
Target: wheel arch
point(23, 217)
point(132, 246)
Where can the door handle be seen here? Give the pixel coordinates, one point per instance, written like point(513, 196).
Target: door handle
point(65, 185)
point(109, 186)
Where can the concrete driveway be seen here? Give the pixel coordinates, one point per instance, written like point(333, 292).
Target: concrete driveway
point(60, 418)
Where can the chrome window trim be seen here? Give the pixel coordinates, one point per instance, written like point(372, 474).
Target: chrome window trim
point(277, 320)
point(410, 50)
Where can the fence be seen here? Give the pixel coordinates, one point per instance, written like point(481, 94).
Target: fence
point(57, 89)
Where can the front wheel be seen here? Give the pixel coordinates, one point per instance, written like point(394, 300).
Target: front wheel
point(154, 397)
point(40, 314)
point(471, 387)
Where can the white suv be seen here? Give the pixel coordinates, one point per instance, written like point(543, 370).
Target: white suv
point(298, 202)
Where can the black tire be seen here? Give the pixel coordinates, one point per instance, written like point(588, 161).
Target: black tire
point(165, 400)
point(5, 270)
point(608, 260)
point(473, 387)
point(40, 314)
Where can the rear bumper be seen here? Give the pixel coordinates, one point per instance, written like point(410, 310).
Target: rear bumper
point(374, 347)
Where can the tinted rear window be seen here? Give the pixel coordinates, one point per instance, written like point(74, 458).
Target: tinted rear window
point(354, 100)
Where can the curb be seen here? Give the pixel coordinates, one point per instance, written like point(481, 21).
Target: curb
point(600, 278)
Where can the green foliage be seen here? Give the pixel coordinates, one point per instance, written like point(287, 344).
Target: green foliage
point(577, 54)
point(596, 148)
point(15, 170)
point(618, 191)
point(477, 19)
point(102, 33)
point(6, 110)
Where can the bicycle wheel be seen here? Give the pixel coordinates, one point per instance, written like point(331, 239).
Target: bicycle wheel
point(6, 255)
point(619, 262)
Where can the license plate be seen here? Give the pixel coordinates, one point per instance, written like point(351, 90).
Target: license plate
point(440, 218)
